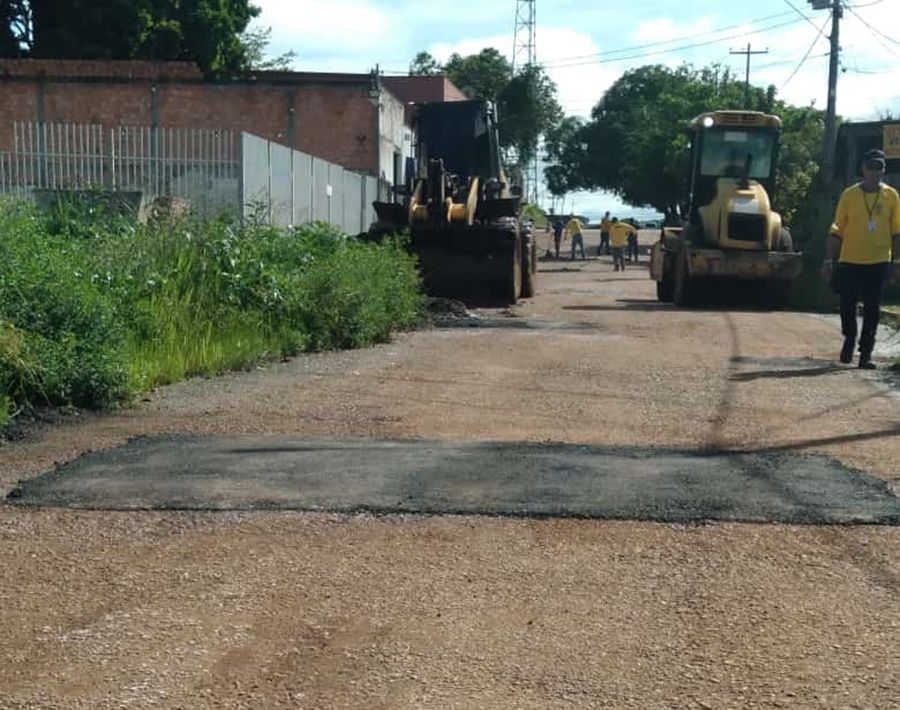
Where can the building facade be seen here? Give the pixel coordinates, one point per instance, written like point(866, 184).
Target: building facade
point(352, 120)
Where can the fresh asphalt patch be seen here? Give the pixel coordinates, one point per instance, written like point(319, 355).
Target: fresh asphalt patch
point(486, 478)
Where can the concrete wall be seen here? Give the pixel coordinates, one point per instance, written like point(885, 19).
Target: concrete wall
point(291, 187)
point(395, 138)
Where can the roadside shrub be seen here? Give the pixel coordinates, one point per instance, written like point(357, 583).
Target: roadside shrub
point(96, 307)
point(358, 295)
point(68, 332)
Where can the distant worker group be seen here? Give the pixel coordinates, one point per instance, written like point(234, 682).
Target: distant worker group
point(617, 238)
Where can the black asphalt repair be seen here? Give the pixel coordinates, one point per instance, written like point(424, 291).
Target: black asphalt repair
point(487, 478)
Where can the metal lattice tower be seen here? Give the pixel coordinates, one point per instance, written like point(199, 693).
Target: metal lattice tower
point(523, 47)
point(524, 55)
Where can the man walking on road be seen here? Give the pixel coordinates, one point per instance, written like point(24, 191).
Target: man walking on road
point(558, 228)
point(619, 233)
point(575, 230)
point(605, 224)
point(631, 251)
point(865, 242)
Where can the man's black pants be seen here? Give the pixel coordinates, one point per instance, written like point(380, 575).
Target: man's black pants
point(865, 283)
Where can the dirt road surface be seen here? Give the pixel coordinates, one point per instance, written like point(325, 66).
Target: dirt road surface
point(261, 609)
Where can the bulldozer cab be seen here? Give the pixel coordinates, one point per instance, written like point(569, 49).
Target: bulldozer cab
point(463, 134)
point(741, 145)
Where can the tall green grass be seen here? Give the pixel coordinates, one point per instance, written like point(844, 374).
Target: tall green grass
point(96, 308)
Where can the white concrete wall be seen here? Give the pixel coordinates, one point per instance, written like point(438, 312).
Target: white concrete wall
point(290, 187)
point(394, 136)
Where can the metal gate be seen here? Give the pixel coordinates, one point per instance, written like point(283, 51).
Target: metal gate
point(201, 166)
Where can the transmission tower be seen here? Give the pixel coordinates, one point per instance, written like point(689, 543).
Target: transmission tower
point(524, 55)
point(523, 48)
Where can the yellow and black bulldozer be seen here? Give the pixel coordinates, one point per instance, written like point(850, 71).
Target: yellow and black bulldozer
point(460, 211)
point(732, 237)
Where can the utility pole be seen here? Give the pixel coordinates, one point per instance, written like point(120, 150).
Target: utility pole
point(747, 80)
point(524, 55)
point(833, 66)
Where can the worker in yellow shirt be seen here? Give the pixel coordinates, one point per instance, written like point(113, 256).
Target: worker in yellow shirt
point(865, 242)
point(618, 240)
point(575, 230)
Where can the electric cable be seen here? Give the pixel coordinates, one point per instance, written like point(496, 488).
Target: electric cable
point(669, 41)
point(681, 48)
point(805, 57)
point(876, 32)
point(799, 12)
point(564, 61)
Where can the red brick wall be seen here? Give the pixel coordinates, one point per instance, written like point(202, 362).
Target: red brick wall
point(341, 123)
point(103, 104)
point(331, 119)
point(16, 102)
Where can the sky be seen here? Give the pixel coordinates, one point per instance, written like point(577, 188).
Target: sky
point(586, 45)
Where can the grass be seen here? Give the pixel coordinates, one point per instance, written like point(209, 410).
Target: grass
point(96, 309)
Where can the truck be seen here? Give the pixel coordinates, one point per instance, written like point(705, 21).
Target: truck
point(459, 209)
point(731, 235)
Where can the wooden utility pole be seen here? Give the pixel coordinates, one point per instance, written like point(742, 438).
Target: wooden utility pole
point(748, 52)
point(833, 67)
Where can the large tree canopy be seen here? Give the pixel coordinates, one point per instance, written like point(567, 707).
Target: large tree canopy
point(526, 102)
point(207, 32)
point(635, 144)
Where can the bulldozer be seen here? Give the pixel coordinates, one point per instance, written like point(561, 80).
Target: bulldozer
point(460, 210)
point(731, 237)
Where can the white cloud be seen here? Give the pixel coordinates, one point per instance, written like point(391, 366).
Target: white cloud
point(566, 55)
point(664, 29)
point(340, 28)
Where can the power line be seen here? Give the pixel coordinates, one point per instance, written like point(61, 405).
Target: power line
point(608, 55)
point(680, 48)
point(876, 33)
point(784, 62)
point(800, 12)
point(805, 56)
point(662, 43)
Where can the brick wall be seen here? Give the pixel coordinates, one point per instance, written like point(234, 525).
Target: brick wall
point(328, 116)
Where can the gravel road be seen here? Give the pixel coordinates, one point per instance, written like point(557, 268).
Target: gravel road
point(257, 609)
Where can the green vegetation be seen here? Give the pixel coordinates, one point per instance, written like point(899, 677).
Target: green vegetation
point(635, 143)
point(211, 33)
point(95, 308)
point(526, 100)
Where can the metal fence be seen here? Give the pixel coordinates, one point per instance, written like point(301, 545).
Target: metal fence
point(200, 166)
point(213, 171)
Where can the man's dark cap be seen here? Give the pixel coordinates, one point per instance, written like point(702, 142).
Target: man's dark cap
point(874, 154)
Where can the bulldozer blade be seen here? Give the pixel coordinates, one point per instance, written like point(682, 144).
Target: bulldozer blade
point(474, 264)
point(390, 212)
point(488, 210)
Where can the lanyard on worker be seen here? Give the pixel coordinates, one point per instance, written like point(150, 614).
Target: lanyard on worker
point(871, 209)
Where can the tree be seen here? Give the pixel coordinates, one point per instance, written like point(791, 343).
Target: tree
point(562, 149)
point(635, 144)
point(425, 65)
point(207, 32)
point(15, 24)
point(527, 108)
point(480, 76)
point(255, 42)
